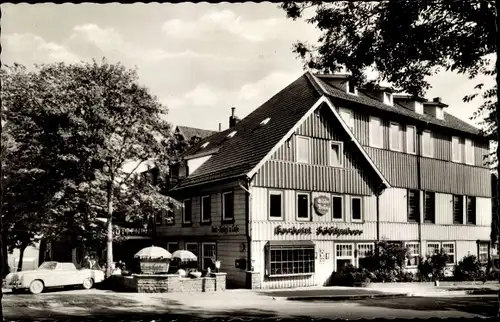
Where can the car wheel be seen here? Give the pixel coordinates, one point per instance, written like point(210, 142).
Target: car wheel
point(36, 287)
point(88, 283)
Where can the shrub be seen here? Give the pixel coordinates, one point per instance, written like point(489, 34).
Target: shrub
point(387, 264)
point(432, 268)
point(469, 269)
point(406, 277)
point(350, 276)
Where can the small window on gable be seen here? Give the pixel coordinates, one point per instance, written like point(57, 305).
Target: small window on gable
point(204, 145)
point(303, 149)
point(265, 121)
point(230, 135)
point(336, 154)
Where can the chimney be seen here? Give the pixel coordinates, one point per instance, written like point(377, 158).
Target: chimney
point(220, 126)
point(437, 99)
point(232, 119)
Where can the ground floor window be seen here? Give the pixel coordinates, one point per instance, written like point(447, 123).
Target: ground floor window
point(291, 260)
point(432, 249)
point(413, 256)
point(483, 252)
point(209, 252)
point(364, 250)
point(344, 255)
point(449, 249)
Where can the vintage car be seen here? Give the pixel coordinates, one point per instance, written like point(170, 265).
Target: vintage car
point(53, 274)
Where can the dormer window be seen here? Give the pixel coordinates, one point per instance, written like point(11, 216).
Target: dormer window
point(388, 98)
point(419, 107)
point(230, 135)
point(265, 121)
point(439, 113)
point(204, 145)
point(351, 89)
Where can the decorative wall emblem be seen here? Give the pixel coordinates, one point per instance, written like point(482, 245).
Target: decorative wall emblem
point(322, 205)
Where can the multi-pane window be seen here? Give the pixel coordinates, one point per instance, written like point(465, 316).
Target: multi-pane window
point(483, 251)
point(344, 255)
point(411, 139)
point(427, 144)
point(193, 248)
point(469, 152)
point(356, 209)
point(376, 132)
point(456, 149)
point(172, 246)
point(335, 154)
point(158, 218)
point(303, 206)
point(395, 137)
point(347, 116)
point(288, 260)
point(209, 252)
point(432, 249)
point(413, 256)
point(364, 250)
point(429, 207)
point(458, 209)
point(275, 205)
point(187, 212)
point(413, 206)
point(227, 206)
point(206, 209)
point(471, 210)
point(303, 149)
point(449, 250)
point(337, 207)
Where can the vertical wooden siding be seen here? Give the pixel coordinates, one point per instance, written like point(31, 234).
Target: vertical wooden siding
point(483, 211)
point(444, 209)
point(481, 152)
point(394, 205)
point(442, 146)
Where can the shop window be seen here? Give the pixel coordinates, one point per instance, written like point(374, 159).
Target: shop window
point(344, 255)
point(429, 207)
point(449, 250)
point(291, 260)
point(206, 209)
point(364, 251)
point(458, 209)
point(228, 206)
point(187, 212)
point(303, 149)
point(172, 246)
point(483, 252)
point(432, 249)
point(336, 154)
point(275, 205)
point(209, 252)
point(303, 206)
point(413, 206)
point(413, 255)
point(356, 209)
point(337, 206)
point(471, 210)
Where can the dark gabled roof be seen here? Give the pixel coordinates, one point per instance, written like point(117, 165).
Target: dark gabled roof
point(251, 143)
point(450, 121)
point(189, 132)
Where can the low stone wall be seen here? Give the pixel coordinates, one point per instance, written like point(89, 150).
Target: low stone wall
point(165, 283)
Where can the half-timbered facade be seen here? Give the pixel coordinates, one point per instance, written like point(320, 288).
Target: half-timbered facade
point(309, 181)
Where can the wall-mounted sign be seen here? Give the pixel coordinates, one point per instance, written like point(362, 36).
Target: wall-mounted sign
point(292, 231)
point(224, 229)
point(337, 231)
point(322, 205)
point(154, 267)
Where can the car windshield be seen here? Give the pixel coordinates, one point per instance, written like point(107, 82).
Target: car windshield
point(48, 265)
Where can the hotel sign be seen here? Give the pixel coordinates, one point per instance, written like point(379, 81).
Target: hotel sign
point(279, 230)
point(322, 205)
point(224, 229)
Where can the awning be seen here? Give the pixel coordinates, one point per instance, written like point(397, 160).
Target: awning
point(290, 243)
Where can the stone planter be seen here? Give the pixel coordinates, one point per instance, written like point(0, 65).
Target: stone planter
point(154, 266)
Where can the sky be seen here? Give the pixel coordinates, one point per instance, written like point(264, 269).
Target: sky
point(198, 59)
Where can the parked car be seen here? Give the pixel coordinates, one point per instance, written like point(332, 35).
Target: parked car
point(53, 274)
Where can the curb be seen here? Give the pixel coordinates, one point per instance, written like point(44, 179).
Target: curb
point(345, 297)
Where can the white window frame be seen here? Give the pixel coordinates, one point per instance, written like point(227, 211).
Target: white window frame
point(486, 252)
point(388, 99)
point(469, 153)
point(393, 125)
point(380, 130)
point(431, 145)
point(203, 257)
point(297, 206)
point(298, 138)
point(359, 254)
point(352, 257)
point(184, 211)
point(347, 89)
point(224, 218)
point(414, 151)
point(411, 246)
point(438, 248)
point(454, 251)
point(350, 122)
point(343, 207)
point(458, 153)
point(439, 113)
point(341, 154)
point(360, 208)
point(170, 243)
point(275, 192)
point(203, 209)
